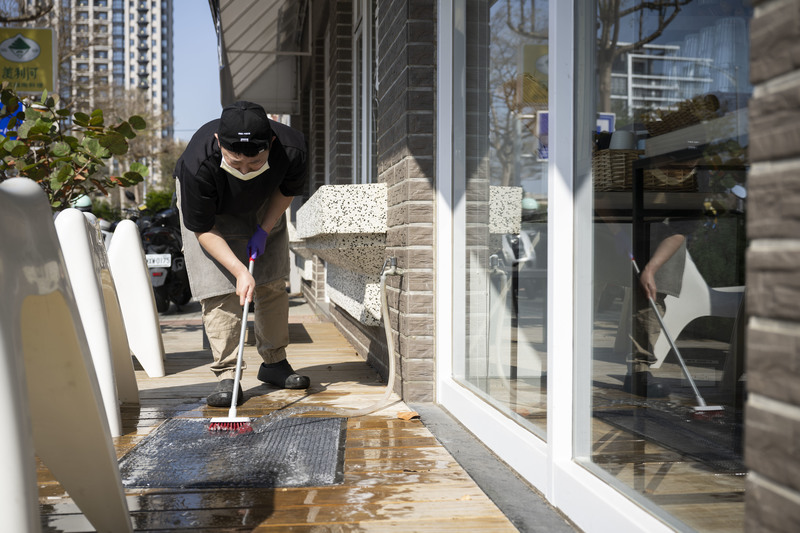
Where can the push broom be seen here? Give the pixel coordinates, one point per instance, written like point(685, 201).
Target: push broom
point(702, 409)
point(239, 424)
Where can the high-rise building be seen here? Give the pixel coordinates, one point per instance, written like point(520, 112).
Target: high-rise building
point(115, 55)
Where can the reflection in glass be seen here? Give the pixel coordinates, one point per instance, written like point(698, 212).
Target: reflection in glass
point(506, 215)
point(669, 167)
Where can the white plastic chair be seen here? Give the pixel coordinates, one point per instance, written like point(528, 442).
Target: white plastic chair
point(135, 292)
point(696, 300)
point(96, 297)
point(50, 390)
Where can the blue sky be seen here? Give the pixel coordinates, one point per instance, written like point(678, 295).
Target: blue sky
point(196, 70)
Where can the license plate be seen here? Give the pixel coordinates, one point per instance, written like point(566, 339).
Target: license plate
point(158, 260)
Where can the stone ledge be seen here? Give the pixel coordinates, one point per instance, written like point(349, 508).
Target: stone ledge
point(346, 226)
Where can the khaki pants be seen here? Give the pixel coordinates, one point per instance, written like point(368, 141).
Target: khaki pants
point(647, 326)
point(222, 318)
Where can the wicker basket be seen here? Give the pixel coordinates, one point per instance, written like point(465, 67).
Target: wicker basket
point(689, 112)
point(613, 169)
point(673, 180)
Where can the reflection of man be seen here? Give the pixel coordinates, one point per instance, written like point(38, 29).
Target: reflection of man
point(660, 277)
point(236, 178)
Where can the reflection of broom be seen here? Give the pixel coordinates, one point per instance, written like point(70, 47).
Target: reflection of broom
point(702, 410)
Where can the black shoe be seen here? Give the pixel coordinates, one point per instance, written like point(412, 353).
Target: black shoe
point(282, 375)
point(645, 385)
point(224, 394)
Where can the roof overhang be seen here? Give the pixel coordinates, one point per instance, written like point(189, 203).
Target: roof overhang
point(259, 44)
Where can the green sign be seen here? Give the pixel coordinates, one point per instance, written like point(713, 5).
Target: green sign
point(27, 59)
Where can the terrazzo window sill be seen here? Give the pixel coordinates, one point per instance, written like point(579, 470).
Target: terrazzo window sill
point(345, 225)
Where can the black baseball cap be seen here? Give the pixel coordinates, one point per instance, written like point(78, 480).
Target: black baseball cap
point(244, 128)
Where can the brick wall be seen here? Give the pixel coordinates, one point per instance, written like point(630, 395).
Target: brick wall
point(406, 58)
point(340, 103)
point(773, 271)
point(316, 141)
point(406, 141)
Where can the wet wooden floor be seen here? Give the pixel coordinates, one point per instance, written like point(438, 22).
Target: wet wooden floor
point(397, 476)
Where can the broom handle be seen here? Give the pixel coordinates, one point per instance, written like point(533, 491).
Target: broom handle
point(239, 356)
point(700, 399)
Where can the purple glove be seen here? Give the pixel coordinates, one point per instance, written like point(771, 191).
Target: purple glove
point(257, 243)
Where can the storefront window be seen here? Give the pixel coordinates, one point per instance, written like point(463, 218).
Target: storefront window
point(505, 228)
point(669, 165)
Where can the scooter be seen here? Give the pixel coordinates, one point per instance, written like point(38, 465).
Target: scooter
point(163, 246)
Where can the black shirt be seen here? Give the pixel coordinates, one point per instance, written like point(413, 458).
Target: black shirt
point(207, 190)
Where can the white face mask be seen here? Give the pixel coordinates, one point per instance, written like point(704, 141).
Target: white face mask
point(244, 177)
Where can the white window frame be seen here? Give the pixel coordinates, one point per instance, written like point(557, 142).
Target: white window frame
point(548, 465)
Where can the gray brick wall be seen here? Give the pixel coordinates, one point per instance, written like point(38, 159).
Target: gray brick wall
point(340, 103)
point(406, 148)
point(316, 141)
point(772, 420)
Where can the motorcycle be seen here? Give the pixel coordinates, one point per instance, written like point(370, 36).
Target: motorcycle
point(163, 246)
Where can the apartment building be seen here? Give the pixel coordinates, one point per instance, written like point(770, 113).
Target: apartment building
point(115, 55)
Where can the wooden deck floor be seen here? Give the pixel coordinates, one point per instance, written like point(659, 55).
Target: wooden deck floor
point(397, 476)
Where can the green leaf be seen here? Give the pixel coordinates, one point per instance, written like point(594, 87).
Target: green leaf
point(10, 144)
point(19, 150)
point(80, 158)
point(131, 178)
point(62, 112)
point(10, 101)
point(126, 130)
point(72, 141)
point(137, 122)
point(115, 142)
point(97, 118)
point(64, 173)
point(81, 119)
point(139, 168)
point(22, 130)
point(60, 149)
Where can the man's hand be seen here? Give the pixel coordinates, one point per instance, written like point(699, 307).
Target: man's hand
point(245, 287)
point(257, 243)
point(648, 282)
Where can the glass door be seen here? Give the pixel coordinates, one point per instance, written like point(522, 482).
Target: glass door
point(669, 192)
point(504, 220)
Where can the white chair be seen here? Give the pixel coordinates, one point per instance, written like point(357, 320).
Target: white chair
point(696, 300)
point(52, 396)
point(135, 292)
point(96, 297)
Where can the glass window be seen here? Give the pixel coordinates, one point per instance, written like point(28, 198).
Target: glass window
point(667, 229)
point(364, 129)
point(504, 361)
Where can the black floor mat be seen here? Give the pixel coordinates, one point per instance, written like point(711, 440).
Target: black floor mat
point(183, 454)
point(716, 445)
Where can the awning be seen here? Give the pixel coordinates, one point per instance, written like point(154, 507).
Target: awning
point(259, 43)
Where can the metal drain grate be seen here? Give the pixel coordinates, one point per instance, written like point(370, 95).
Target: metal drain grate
point(183, 454)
